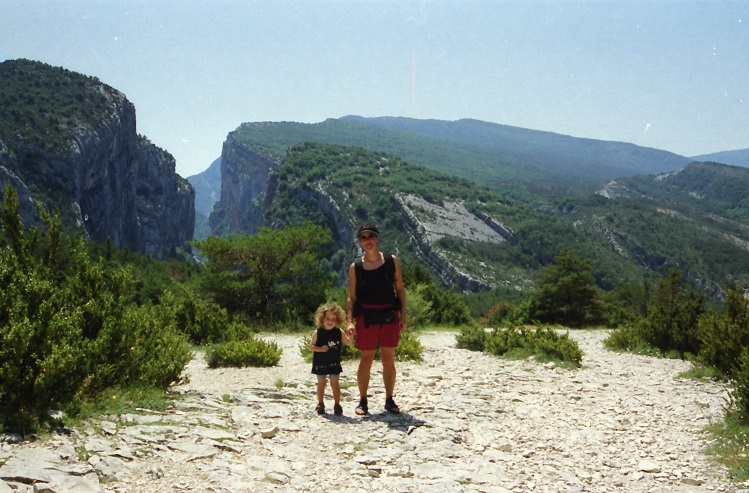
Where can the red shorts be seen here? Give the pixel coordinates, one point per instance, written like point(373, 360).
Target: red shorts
point(384, 335)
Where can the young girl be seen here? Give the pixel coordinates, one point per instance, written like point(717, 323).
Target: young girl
point(326, 360)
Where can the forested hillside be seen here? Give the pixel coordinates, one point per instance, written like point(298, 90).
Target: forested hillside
point(529, 165)
point(706, 188)
point(626, 235)
point(425, 214)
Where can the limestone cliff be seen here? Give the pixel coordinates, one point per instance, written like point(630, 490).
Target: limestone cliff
point(245, 175)
point(91, 165)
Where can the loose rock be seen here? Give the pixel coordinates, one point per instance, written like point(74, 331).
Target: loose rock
point(470, 422)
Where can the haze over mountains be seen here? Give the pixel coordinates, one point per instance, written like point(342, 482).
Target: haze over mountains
point(738, 157)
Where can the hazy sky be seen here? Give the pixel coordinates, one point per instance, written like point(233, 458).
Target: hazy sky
point(672, 75)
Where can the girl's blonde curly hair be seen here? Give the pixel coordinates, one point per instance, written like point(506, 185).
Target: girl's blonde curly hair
point(330, 307)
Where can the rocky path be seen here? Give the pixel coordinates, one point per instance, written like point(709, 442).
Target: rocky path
point(470, 423)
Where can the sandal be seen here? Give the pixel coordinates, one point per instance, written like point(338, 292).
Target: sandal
point(391, 406)
point(320, 408)
point(362, 408)
point(337, 409)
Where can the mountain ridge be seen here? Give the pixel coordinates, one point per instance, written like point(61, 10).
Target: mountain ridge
point(737, 157)
point(625, 236)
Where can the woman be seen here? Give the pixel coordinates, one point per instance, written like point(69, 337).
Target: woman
point(377, 300)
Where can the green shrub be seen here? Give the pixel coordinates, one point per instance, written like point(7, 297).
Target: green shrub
point(69, 329)
point(409, 348)
point(672, 316)
point(739, 393)
point(626, 338)
point(419, 307)
point(472, 337)
point(724, 334)
point(501, 341)
point(545, 343)
point(155, 351)
point(549, 344)
point(249, 352)
point(203, 322)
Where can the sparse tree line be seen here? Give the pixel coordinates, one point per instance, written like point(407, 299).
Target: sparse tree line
point(78, 319)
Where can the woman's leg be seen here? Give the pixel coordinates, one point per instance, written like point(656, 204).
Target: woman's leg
point(363, 373)
point(387, 355)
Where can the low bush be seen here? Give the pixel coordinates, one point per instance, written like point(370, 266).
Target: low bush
point(471, 337)
point(249, 352)
point(203, 322)
point(627, 338)
point(548, 344)
point(544, 343)
point(724, 334)
point(739, 393)
point(70, 329)
point(409, 348)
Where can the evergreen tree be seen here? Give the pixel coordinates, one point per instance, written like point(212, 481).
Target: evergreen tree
point(674, 310)
point(567, 293)
point(272, 276)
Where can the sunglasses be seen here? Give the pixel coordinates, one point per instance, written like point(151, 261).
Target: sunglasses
point(367, 237)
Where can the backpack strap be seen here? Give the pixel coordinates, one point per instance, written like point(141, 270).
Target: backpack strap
point(390, 263)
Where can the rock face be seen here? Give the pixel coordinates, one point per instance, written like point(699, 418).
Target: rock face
point(109, 182)
point(245, 175)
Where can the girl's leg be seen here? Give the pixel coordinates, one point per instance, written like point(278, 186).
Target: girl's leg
point(335, 386)
point(321, 390)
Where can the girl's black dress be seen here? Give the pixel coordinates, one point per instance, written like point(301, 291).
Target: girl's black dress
point(328, 363)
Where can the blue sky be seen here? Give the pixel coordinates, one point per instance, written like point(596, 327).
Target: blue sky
point(673, 75)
